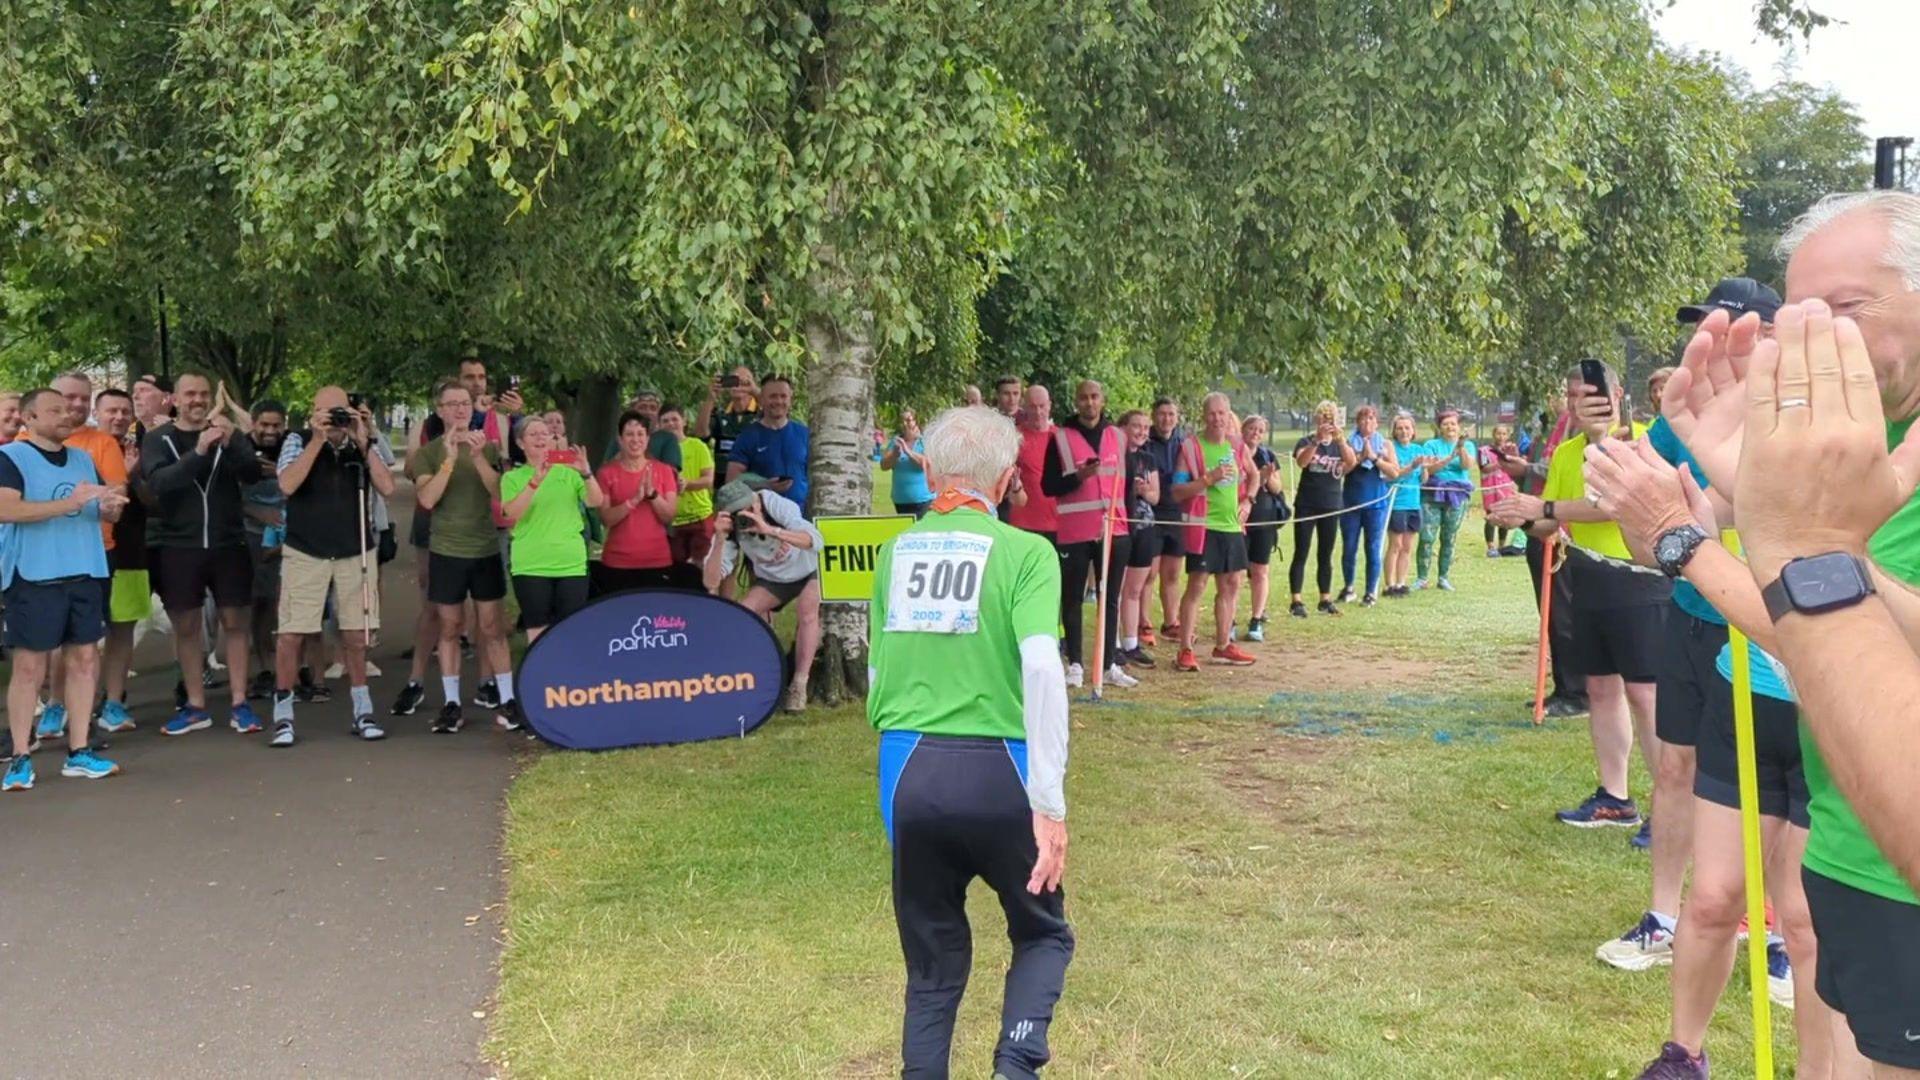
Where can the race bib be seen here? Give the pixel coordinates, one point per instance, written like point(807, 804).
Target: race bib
point(935, 587)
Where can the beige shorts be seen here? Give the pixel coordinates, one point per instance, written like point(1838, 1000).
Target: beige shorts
point(303, 593)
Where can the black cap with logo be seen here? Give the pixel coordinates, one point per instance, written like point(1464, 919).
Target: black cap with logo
point(1738, 295)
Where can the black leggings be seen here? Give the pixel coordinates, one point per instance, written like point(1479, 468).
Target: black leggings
point(1077, 561)
point(1328, 530)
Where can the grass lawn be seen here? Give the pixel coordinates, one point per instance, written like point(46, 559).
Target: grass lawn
point(1338, 863)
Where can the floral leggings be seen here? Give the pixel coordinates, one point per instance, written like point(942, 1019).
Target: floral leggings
point(1442, 522)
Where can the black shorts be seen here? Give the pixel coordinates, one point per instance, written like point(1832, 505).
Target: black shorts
point(1160, 541)
point(184, 576)
point(44, 616)
point(1224, 553)
point(1869, 966)
point(612, 579)
point(1686, 677)
point(1776, 755)
point(784, 592)
point(1623, 641)
point(546, 600)
point(451, 579)
point(1403, 521)
point(1263, 539)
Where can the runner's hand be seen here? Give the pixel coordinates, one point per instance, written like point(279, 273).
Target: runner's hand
point(131, 454)
point(1515, 510)
point(1706, 401)
point(1644, 495)
point(82, 494)
point(1050, 864)
point(113, 500)
point(1816, 477)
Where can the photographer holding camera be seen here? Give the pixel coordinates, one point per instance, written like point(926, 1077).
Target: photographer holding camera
point(783, 550)
point(325, 472)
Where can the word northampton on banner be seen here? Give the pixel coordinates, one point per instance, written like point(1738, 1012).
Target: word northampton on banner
point(649, 667)
point(852, 550)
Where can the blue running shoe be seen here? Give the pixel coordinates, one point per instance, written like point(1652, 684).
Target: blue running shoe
point(1779, 975)
point(186, 721)
point(1643, 840)
point(19, 774)
point(1601, 809)
point(53, 722)
point(114, 718)
point(87, 765)
point(245, 721)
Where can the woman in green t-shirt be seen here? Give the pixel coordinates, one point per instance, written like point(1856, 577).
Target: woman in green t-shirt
point(542, 499)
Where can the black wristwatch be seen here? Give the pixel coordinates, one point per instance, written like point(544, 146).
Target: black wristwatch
point(1546, 509)
point(1818, 583)
point(1675, 548)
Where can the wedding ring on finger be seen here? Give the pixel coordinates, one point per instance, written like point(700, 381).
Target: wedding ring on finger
point(1593, 498)
point(1793, 403)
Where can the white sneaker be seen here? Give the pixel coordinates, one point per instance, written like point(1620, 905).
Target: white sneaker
point(1117, 676)
point(373, 670)
point(335, 671)
point(1076, 676)
point(1647, 945)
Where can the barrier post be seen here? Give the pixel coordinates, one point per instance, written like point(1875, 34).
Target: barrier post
point(1106, 570)
point(1755, 862)
point(1546, 629)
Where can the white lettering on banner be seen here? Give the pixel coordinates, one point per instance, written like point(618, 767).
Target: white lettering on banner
point(936, 583)
point(663, 632)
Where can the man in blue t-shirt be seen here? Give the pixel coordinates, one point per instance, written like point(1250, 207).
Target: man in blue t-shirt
point(53, 568)
point(775, 446)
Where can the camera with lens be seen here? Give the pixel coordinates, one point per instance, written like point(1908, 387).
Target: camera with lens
point(340, 417)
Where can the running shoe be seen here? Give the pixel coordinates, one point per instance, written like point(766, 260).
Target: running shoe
point(1232, 656)
point(1599, 810)
point(367, 728)
point(1779, 975)
point(1493, 553)
point(1146, 636)
point(1369, 600)
point(1346, 595)
point(1643, 840)
point(466, 647)
point(1170, 631)
point(1674, 1063)
point(87, 765)
point(114, 718)
point(1327, 608)
point(1420, 584)
point(449, 720)
point(1076, 676)
point(19, 775)
point(1561, 708)
point(796, 698)
point(308, 690)
point(511, 717)
point(187, 721)
point(1647, 945)
point(411, 695)
point(53, 722)
point(1297, 609)
point(1137, 657)
point(1445, 585)
point(487, 696)
point(1186, 661)
point(1117, 676)
point(334, 671)
point(282, 734)
point(1257, 630)
point(245, 720)
point(261, 688)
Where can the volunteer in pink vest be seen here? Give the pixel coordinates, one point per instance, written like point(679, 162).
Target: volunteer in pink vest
point(1216, 474)
point(1083, 475)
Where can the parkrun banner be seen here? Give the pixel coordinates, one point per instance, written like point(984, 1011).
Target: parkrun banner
point(851, 551)
point(651, 666)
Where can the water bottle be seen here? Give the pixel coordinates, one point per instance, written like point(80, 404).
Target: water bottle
point(270, 537)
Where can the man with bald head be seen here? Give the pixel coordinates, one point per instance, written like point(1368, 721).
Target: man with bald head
point(326, 472)
point(1082, 474)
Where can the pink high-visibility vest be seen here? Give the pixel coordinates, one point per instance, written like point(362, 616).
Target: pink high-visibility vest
point(1098, 497)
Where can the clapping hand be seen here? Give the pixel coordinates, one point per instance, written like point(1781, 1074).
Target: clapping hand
point(1706, 400)
point(1644, 495)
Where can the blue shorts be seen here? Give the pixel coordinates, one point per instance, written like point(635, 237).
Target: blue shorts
point(44, 616)
point(1403, 521)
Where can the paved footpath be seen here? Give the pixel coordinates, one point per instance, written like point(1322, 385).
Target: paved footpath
point(222, 909)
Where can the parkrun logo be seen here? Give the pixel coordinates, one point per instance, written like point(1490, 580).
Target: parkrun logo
point(619, 691)
point(651, 632)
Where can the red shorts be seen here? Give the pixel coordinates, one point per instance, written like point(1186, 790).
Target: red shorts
point(691, 542)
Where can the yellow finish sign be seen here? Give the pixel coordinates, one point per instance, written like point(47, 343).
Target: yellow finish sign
point(852, 551)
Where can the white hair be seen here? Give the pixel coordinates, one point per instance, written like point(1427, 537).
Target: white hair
point(1899, 209)
point(971, 444)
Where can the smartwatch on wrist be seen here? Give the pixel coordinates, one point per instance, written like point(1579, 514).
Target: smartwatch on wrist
point(1546, 510)
point(1676, 547)
point(1818, 583)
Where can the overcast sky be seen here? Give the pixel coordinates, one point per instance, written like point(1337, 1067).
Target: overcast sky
point(1868, 52)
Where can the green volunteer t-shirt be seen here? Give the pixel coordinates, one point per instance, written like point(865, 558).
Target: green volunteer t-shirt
point(696, 457)
point(1839, 846)
point(1223, 497)
point(463, 518)
point(548, 540)
point(953, 598)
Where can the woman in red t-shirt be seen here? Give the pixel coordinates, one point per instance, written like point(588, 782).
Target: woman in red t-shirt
point(642, 496)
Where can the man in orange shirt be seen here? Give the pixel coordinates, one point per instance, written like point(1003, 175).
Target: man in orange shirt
point(108, 460)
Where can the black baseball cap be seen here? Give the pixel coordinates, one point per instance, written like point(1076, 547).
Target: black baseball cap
point(1738, 295)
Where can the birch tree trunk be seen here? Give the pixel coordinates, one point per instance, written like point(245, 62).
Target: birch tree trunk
point(840, 411)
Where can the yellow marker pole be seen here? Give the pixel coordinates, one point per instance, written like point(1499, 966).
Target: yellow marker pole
point(1756, 870)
